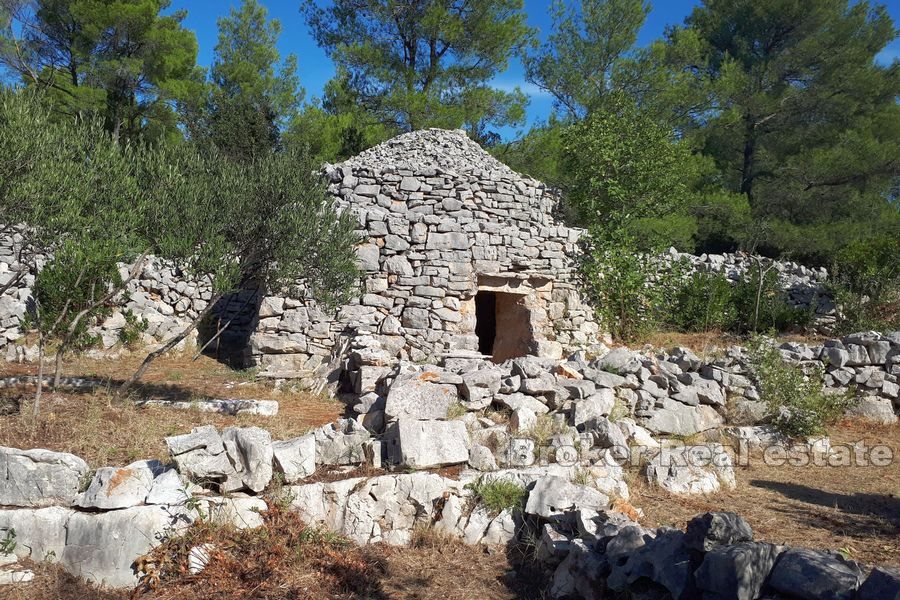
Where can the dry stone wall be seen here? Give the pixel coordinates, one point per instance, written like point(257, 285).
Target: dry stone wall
point(803, 287)
point(162, 296)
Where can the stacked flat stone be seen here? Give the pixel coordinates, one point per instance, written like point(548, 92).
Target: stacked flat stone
point(440, 218)
point(672, 393)
point(12, 302)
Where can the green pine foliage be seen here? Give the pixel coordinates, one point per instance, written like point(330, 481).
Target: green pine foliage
point(124, 63)
point(427, 64)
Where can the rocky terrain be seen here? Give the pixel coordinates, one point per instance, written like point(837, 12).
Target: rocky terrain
point(559, 433)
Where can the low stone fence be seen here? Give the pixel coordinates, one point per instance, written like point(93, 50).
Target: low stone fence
point(804, 288)
point(97, 524)
point(161, 296)
point(668, 393)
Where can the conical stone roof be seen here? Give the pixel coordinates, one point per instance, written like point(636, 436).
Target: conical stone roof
point(443, 150)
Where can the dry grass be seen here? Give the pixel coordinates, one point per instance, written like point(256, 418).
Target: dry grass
point(709, 343)
point(51, 582)
point(104, 430)
point(453, 571)
point(852, 508)
point(284, 559)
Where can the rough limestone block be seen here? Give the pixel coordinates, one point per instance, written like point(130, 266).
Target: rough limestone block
point(295, 458)
point(594, 407)
point(101, 547)
point(170, 488)
point(882, 582)
point(200, 454)
point(877, 410)
point(340, 443)
point(418, 396)
point(554, 496)
point(814, 575)
point(737, 572)
point(250, 451)
point(35, 478)
point(236, 511)
point(121, 487)
point(424, 444)
point(702, 469)
point(675, 418)
point(713, 529)
point(40, 532)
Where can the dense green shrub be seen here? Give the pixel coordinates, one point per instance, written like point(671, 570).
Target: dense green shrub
point(709, 301)
point(81, 271)
point(760, 305)
point(865, 281)
point(795, 396)
point(704, 302)
point(624, 284)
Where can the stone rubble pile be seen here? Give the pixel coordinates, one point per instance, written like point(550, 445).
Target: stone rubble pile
point(673, 393)
point(603, 553)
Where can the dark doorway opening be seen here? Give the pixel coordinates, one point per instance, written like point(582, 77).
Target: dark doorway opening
point(503, 325)
point(486, 321)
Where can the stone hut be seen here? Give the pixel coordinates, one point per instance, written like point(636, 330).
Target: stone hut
point(460, 254)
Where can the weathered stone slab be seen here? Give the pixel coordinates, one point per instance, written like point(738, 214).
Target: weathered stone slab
point(424, 444)
point(121, 487)
point(417, 396)
point(702, 469)
point(676, 418)
point(101, 547)
point(295, 458)
point(35, 478)
point(554, 496)
point(250, 451)
point(40, 532)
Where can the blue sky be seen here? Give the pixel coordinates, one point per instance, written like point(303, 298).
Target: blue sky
point(314, 67)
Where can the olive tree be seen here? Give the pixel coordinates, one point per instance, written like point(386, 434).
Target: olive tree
point(69, 191)
point(267, 223)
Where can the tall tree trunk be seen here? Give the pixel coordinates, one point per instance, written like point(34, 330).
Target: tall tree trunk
point(748, 158)
point(125, 387)
point(40, 377)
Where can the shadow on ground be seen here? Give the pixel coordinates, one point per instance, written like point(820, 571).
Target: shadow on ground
point(860, 513)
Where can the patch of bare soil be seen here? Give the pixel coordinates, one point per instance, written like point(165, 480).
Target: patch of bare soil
point(105, 430)
point(855, 509)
